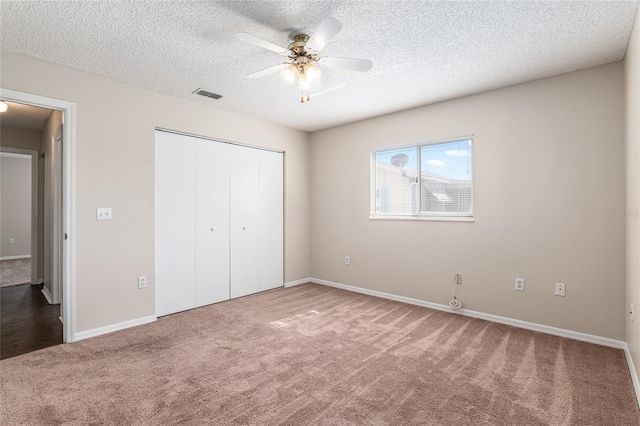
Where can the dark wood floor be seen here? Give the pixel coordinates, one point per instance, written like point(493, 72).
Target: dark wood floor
point(27, 321)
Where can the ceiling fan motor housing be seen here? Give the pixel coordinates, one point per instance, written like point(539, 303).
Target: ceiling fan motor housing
point(298, 44)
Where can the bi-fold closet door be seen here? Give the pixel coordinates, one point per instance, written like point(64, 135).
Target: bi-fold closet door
point(219, 221)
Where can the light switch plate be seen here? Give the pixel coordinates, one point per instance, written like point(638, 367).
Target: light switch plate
point(103, 213)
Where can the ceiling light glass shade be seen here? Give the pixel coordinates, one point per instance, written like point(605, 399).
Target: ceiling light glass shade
point(3, 106)
point(289, 74)
point(312, 73)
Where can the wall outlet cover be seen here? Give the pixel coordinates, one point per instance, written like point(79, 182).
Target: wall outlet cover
point(142, 282)
point(519, 284)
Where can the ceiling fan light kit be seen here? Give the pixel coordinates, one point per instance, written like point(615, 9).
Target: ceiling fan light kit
point(304, 64)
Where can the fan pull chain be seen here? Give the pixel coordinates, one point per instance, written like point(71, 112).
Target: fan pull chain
point(302, 95)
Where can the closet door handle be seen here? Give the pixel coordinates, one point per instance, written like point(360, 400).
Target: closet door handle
point(213, 229)
point(244, 228)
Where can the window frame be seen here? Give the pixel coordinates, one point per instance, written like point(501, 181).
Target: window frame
point(428, 216)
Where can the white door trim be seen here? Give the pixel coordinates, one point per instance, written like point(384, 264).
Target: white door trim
point(34, 208)
point(56, 214)
point(68, 202)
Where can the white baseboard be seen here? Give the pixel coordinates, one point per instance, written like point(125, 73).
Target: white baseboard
point(113, 327)
point(22, 256)
point(298, 282)
point(604, 341)
point(634, 374)
point(47, 295)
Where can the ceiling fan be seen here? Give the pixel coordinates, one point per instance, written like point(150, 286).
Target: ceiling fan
point(304, 63)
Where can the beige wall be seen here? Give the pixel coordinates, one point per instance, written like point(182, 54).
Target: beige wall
point(548, 164)
point(115, 168)
point(48, 134)
point(12, 137)
point(15, 214)
point(632, 155)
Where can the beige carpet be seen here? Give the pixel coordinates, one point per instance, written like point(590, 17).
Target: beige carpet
point(316, 355)
point(15, 272)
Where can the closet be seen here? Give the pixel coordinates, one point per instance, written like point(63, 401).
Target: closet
point(218, 221)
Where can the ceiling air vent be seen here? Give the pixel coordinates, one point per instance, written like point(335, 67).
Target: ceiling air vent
point(201, 92)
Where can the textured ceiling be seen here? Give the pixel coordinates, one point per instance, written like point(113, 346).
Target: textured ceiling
point(423, 51)
point(24, 116)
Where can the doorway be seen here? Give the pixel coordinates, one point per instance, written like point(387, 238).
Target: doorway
point(54, 272)
point(19, 249)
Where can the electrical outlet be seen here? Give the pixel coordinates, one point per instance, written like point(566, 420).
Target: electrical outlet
point(142, 282)
point(560, 289)
point(631, 312)
point(347, 261)
point(520, 284)
point(458, 279)
point(12, 240)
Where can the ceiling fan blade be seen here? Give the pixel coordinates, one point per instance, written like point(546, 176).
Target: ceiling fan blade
point(268, 71)
point(346, 63)
point(250, 38)
point(326, 31)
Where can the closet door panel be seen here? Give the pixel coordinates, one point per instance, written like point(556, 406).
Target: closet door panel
point(212, 222)
point(245, 221)
point(271, 220)
point(174, 223)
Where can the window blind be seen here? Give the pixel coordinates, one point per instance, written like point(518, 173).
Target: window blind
point(430, 180)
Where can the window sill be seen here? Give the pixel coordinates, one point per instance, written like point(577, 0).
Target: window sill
point(422, 218)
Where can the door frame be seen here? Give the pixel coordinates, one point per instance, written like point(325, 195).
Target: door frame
point(57, 215)
point(68, 109)
point(34, 205)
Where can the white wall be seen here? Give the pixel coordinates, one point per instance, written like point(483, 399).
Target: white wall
point(548, 164)
point(115, 168)
point(632, 155)
point(15, 214)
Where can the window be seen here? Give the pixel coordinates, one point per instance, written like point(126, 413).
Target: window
point(429, 181)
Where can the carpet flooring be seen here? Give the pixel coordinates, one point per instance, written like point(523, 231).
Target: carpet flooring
point(15, 272)
point(322, 356)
